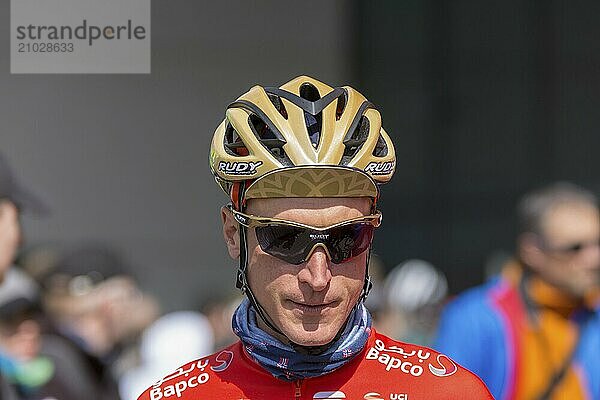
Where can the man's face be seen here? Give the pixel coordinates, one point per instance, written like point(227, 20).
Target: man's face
point(10, 235)
point(570, 252)
point(309, 302)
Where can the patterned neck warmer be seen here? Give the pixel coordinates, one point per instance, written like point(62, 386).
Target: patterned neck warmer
point(285, 363)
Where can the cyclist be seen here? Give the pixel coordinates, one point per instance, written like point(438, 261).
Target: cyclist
point(302, 165)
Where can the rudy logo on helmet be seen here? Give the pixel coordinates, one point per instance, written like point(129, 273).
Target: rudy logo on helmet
point(380, 168)
point(239, 167)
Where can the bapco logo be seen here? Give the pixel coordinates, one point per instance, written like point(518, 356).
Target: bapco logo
point(446, 366)
point(224, 358)
point(373, 396)
point(331, 395)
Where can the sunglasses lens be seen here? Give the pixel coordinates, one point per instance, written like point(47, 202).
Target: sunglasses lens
point(292, 244)
point(285, 242)
point(348, 241)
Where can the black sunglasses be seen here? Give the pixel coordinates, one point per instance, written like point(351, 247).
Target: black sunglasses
point(294, 242)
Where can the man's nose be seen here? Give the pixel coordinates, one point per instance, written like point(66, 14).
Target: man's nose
point(316, 272)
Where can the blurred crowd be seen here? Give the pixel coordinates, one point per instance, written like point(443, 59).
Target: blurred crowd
point(76, 324)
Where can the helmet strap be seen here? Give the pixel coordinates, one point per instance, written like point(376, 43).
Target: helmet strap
point(368, 284)
point(242, 272)
point(242, 282)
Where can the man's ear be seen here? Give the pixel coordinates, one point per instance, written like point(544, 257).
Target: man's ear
point(9, 213)
point(8, 207)
point(231, 232)
point(528, 245)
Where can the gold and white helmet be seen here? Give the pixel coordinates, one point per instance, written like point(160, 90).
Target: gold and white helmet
point(303, 139)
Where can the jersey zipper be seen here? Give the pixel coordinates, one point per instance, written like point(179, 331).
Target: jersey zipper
point(297, 391)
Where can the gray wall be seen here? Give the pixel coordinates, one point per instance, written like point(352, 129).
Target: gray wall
point(486, 100)
point(483, 99)
point(123, 158)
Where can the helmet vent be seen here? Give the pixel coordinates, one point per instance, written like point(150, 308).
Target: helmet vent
point(276, 100)
point(313, 126)
point(309, 92)
point(233, 143)
point(271, 140)
point(381, 149)
point(341, 106)
point(356, 140)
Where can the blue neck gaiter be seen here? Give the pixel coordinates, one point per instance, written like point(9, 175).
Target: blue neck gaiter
point(285, 363)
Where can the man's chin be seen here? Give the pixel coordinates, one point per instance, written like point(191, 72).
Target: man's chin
point(315, 338)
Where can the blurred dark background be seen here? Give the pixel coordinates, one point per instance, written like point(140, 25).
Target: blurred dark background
point(484, 100)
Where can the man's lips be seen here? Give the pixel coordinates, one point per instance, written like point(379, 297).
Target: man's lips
point(312, 307)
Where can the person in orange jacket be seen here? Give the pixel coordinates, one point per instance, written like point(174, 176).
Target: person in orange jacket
point(533, 331)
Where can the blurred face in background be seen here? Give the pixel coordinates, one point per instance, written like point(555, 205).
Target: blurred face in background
point(20, 336)
point(567, 255)
point(103, 315)
point(10, 235)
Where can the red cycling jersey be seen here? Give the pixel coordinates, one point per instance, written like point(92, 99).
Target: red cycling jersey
point(386, 370)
